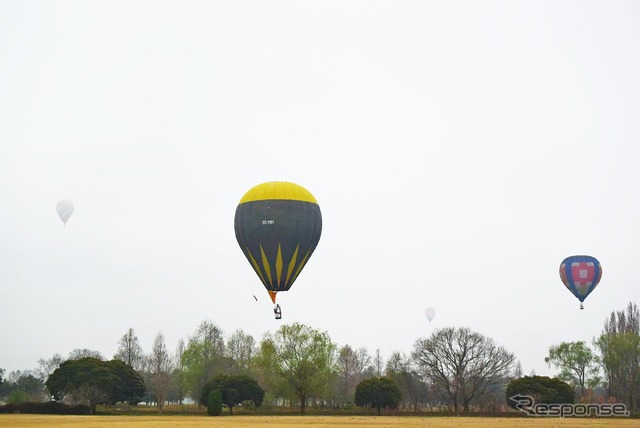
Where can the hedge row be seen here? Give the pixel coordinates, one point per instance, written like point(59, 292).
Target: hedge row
point(46, 408)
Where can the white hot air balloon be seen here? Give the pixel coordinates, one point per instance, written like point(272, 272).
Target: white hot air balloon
point(65, 209)
point(430, 313)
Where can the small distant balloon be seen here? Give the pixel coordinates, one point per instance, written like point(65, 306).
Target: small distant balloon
point(65, 209)
point(430, 313)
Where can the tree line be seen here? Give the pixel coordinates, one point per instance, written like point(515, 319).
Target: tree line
point(454, 369)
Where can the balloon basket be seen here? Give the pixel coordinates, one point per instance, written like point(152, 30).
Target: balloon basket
point(278, 312)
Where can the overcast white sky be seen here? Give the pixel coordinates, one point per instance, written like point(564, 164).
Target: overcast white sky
point(459, 151)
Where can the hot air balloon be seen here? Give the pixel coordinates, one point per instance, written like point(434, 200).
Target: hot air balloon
point(65, 209)
point(581, 275)
point(430, 313)
point(278, 226)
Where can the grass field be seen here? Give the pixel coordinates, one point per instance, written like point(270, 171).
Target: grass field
point(55, 421)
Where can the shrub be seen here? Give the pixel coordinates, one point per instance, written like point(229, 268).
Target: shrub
point(377, 393)
point(214, 403)
point(543, 389)
point(235, 390)
point(17, 396)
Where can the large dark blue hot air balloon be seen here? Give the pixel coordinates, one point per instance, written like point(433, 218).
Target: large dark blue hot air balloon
point(581, 275)
point(278, 225)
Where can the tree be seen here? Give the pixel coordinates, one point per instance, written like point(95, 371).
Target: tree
point(85, 380)
point(462, 364)
point(400, 368)
point(214, 403)
point(624, 321)
point(159, 366)
point(17, 396)
point(204, 357)
point(363, 361)
point(2, 394)
point(130, 388)
point(351, 367)
point(48, 366)
point(378, 392)
point(619, 347)
point(348, 368)
point(130, 351)
point(20, 386)
point(378, 364)
point(577, 364)
point(301, 357)
point(621, 361)
point(77, 354)
point(542, 389)
point(178, 390)
point(235, 390)
point(241, 349)
point(92, 381)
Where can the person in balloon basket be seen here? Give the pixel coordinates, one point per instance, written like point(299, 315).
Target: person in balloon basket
point(278, 312)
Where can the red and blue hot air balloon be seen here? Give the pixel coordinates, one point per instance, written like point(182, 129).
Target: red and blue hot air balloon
point(581, 275)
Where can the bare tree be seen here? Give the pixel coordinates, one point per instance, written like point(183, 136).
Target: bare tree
point(241, 348)
point(76, 354)
point(378, 364)
point(180, 347)
point(46, 367)
point(348, 368)
point(363, 360)
point(517, 372)
point(178, 382)
point(462, 364)
point(90, 394)
point(160, 366)
point(624, 321)
point(619, 347)
point(400, 368)
point(212, 339)
point(130, 351)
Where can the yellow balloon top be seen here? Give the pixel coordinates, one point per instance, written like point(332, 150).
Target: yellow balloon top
point(278, 190)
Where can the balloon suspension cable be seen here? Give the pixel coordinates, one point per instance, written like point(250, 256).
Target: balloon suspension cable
point(247, 283)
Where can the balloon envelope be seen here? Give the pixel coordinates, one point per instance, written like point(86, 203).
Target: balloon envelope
point(430, 313)
point(581, 275)
point(65, 209)
point(278, 226)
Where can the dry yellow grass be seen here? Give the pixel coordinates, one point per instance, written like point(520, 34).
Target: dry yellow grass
point(54, 421)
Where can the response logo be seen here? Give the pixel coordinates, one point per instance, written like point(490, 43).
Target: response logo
point(526, 404)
